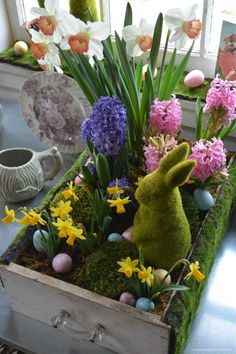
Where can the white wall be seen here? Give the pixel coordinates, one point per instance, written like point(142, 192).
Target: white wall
point(5, 29)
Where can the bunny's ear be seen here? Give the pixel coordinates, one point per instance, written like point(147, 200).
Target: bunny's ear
point(180, 153)
point(178, 174)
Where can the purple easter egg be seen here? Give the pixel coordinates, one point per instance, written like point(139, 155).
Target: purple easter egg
point(127, 298)
point(127, 233)
point(62, 263)
point(194, 78)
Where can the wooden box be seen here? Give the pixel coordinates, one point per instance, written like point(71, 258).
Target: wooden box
point(110, 324)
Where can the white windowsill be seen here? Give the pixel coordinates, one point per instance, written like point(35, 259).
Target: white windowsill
point(13, 77)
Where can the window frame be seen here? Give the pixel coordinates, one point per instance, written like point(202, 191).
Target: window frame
point(202, 59)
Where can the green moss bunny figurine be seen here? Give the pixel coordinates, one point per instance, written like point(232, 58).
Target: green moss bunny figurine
point(160, 224)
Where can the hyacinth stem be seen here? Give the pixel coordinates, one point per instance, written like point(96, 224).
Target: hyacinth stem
point(216, 123)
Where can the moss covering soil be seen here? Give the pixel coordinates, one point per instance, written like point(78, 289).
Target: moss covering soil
point(176, 309)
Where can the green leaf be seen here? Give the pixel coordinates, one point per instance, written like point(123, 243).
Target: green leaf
point(103, 171)
point(128, 15)
point(88, 177)
point(120, 164)
point(128, 74)
point(176, 288)
point(73, 68)
point(162, 63)
point(156, 43)
point(165, 82)
point(138, 75)
point(225, 132)
point(177, 74)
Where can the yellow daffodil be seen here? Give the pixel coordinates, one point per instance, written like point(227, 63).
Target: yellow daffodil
point(64, 226)
point(115, 190)
point(10, 216)
point(195, 272)
point(128, 266)
point(73, 234)
point(119, 204)
point(26, 220)
point(146, 276)
point(139, 181)
point(62, 210)
point(36, 218)
point(69, 192)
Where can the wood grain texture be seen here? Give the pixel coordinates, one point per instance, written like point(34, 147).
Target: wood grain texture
point(126, 330)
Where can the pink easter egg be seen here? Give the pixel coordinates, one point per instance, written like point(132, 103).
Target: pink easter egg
point(127, 233)
point(77, 180)
point(127, 298)
point(194, 78)
point(62, 263)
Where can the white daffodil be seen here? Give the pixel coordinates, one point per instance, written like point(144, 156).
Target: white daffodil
point(52, 20)
point(184, 24)
point(138, 39)
point(45, 51)
point(85, 38)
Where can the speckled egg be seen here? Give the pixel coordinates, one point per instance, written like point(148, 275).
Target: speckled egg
point(203, 199)
point(114, 237)
point(194, 78)
point(37, 240)
point(127, 234)
point(145, 304)
point(159, 274)
point(127, 298)
point(62, 263)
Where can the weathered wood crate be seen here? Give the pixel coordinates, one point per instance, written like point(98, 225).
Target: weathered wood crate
point(121, 328)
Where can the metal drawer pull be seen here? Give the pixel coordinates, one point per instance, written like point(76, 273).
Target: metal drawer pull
point(94, 334)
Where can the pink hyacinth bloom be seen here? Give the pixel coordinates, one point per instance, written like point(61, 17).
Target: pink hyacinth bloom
point(222, 94)
point(151, 154)
point(166, 116)
point(157, 148)
point(210, 159)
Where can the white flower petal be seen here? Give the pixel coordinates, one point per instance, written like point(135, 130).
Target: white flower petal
point(189, 13)
point(174, 18)
point(146, 28)
point(95, 48)
point(133, 49)
point(57, 37)
point(130, 33)
point(51, 6)
point(64, 43)
point(37, 37)
point(38, 11)
point(98, 30)
point(59, 70)
point(68, 24)
point(179, 38)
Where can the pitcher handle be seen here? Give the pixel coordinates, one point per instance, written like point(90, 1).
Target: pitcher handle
point(54, 154)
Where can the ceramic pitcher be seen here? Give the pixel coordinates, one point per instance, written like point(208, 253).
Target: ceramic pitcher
point(23, 173)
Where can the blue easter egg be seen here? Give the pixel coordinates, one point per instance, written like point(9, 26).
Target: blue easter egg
point(114, 237)
point(203, 199)
point(37, 240)
point(145, 304)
